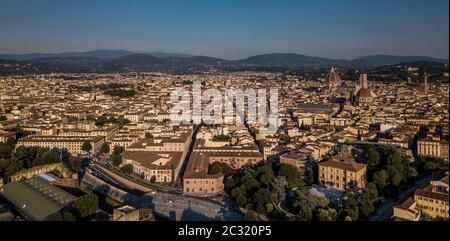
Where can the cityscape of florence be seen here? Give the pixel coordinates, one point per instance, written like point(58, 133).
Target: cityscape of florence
point(221, 111)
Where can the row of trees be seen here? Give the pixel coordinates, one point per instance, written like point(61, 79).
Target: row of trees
point(388, 169)
point(104, 120)
point(87, 147)
point(27, 157)
point(115, 158)
point(7, 148)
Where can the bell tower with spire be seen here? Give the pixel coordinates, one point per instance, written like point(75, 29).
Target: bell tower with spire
point(426, 87)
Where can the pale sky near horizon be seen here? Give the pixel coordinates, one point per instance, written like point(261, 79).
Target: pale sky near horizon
point(228, 28)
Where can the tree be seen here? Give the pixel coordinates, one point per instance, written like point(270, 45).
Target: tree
point(148, 135)
point(366, 208)
point(412, 173)
point(262, 197)
point(104, 149)
point(214, 169)
point(66, 216)
point(9, 167)
point(266, 179)
point(350, 204)
point(303, 204)
point(117, 150)
point(430, 166)
point(153, 179)
point(86, 205)
point(251, 216)
point(49, 157)
point(395, 175)
point(116, 159)
point(328, 214)
point(101, 121)
point(128, 169)
point(241, 200)
point(371, 156)
point(219, 167)
point(251, 185)
point(229, 183)
point(292, 175)
point(348, 219)
point(305, 213)
point(86, 147)
point(279, 189)
point(305, 127)
point(26, 154)
point(370, 192)
point(395, 159)
point(2, 118)
point(269, 207)
point(380, 178)
point(235, 192)
point(266, 169)
point(5, 152)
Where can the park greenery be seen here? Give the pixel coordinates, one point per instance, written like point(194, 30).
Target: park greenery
point(104, 120)
point(258, 188)
point(279, 191)
point(388, 169)
point(25, 157)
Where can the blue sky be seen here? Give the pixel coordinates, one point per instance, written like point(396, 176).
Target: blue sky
point(228, 28)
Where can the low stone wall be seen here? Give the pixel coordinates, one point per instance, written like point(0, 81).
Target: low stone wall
point(34, 171)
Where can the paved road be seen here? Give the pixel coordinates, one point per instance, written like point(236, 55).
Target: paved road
point(186, 208)
point(172, 205)
point(123, 181)
point(386, 211)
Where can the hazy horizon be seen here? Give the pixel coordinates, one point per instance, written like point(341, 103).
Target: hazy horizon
point(183, 53)
point(337, 29)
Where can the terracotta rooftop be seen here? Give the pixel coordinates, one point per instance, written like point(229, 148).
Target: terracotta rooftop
point(429, 193)
point(150, 160)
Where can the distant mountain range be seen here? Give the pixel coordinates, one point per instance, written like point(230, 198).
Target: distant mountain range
point(101, 54)
point(126, 61)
